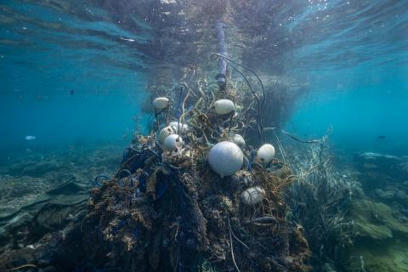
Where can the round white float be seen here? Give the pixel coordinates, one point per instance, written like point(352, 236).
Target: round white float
point(239, 140)
point(225, 158)
point(224, 106)
point(252, 195)
point(160, 103)
point(166, 131)
point(265, 153)
point(183, 127)
point(173, 142)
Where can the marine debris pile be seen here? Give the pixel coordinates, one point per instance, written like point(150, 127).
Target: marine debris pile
point(203, 191)
point(194, 195)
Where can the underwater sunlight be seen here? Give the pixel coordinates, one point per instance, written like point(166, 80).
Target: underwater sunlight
point(204, 135)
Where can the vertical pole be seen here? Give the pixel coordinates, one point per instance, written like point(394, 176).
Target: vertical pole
point(222, 74)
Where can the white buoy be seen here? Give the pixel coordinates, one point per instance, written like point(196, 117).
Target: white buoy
point(239, 140)
point(166, 131)
point(253, 195)
point(173, 142)
point(265, 153)
point(176, 125)
point(224, 106)
point(225, 158)
point(160, 103)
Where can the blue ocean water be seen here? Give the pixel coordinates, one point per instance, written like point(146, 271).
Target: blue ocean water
point(77, 79)
point(65, 80)
point(361, 109)
point(70, 72)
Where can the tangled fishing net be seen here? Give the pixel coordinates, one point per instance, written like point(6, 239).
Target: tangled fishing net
point(167, 210)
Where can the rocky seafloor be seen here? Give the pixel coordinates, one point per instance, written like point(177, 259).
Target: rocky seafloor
point(380, 216)
point(41, 192)
point(44, 195)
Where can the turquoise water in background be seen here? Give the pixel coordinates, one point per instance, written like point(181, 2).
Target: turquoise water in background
point(362, 109)
point(55, 117)
point(97, 111)
point(65, 80)
point(76, 74)
point(354, 60)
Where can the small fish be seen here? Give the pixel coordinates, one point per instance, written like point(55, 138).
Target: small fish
point(29, 138)
point(127, 39)
point(381, 137)
point(72, 92)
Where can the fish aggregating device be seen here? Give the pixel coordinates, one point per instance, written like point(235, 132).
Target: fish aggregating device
point(200, 188)
point(253, 195)
point(238, 140)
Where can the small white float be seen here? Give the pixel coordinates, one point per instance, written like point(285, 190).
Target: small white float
point(252, 195)
point(160, 103)
point(239, 140)
point(166, 131)
point(224, 106)
point(176, 125)
point(173, 142)
point(265, 153)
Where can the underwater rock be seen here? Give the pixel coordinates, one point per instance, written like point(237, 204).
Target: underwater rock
point(402, 196)
point(380, 238)
point(224, 106)
point(35, 167)
point(33, 226)
point(385, 195)
point(375, 220)
point(389, 256)
point(225, 158)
